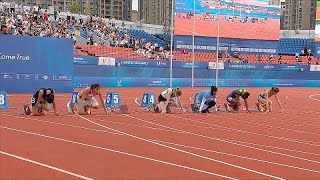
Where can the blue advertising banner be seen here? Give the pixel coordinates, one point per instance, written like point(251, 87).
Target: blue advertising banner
point(266, 67)
point(30, 63)
point(90, 60)
point(113, 82)
point(142, 63)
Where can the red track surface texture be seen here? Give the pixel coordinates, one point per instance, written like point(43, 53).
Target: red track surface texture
point(143, 145)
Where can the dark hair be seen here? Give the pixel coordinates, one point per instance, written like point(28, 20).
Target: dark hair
point(275, 89)
point(178, 92)
point(94, 86)
point(213, 89)
point(246, 95)
point(50, 98)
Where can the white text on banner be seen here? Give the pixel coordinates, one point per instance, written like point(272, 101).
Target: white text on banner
point(315, 68)
point(212, 65)
point(106, 61)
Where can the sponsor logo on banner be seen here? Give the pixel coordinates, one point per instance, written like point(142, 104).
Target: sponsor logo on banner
point(212, 65)
point(106, 61)
point(26, 76)
point(242, 66)
point(45, 77)
point(159, 63)
point(119, 83)
point(62, 77)
point(128, 62)
point(289, 67)
point(268, 67)
point(315, 68)
point(8, 76)
point(156, 83)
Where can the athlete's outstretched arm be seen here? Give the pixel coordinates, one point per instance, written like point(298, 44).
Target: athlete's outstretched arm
point(180, 104)
point(102, 103)
point(54, 106)
point(278, 101)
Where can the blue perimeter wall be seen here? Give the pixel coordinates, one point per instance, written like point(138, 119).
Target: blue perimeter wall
point(152, 73)
point(29, 63)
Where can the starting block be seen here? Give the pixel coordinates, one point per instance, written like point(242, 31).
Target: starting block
point(27, 109)
point(148, 100)
point(157, 110)
point(4, 100)
point(261, 107)
point(113, 103)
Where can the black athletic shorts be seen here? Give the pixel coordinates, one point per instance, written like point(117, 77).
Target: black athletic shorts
point(161, 98)
point(34, 98)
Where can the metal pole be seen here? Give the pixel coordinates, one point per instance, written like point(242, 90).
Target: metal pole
point(193, 43)
point(171, 47)
point(218, 40)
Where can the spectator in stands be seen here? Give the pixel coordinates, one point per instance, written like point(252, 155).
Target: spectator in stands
point(236, 55)
point(309, 60)
point(271, 57)
point(280, 60)
point(298, 58)
point(12, 6)
point(310, 52)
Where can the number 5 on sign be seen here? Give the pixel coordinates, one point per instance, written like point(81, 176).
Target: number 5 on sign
point(116, 99)
point(3, 100)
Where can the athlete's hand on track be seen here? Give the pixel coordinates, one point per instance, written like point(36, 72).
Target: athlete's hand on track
point(184, 110)
point(57, 114)
point(32, 114)
point(164, 112)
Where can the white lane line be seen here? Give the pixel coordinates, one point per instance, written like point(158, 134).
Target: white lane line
point(311, 143)
point(45, 165)
point(312, 97)
point(223, 140)
point(186, 152)
point(237, 156)
point(61, 124)
point(116, 151)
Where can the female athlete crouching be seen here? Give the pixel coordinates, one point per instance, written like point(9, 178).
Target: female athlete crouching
point(41, 101)
point(86, 100)
point(170, 96)
point(233, 99)
point(264, 102)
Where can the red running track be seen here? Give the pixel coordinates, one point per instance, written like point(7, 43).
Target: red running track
point(143, 145)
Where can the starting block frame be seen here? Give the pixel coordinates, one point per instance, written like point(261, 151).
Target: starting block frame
point(113, 103)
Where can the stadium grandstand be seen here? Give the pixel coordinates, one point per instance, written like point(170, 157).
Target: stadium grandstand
point(95, 36)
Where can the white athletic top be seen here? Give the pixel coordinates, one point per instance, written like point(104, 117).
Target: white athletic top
point(164, 93)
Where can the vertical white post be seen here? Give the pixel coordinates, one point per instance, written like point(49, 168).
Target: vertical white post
point(171, 47)
point(193, 41)
point(218, 40)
